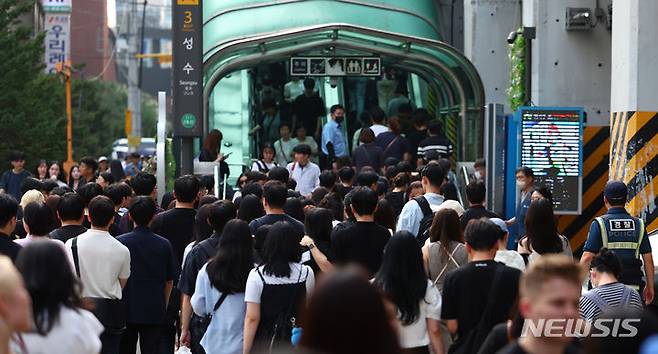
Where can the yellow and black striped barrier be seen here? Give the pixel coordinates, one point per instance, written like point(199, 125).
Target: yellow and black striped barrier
point(596, 150)
point(634, 160)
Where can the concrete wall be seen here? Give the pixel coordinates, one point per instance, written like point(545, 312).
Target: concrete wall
point(487, 24)
point(570, 68)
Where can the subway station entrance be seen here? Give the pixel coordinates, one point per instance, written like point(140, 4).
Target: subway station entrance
point(247, 51)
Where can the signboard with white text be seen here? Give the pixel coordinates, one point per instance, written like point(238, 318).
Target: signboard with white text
point(187, 68)
point(335, 66)
point(57, 40)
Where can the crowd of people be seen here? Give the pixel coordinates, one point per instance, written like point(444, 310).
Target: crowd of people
point(369, 254)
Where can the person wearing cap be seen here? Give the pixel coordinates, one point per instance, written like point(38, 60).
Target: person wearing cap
point(103, 165)
point(303, 171)
point(626, 236)
point(507, 257)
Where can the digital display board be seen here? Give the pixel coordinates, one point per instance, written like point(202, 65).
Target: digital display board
point(551, 145)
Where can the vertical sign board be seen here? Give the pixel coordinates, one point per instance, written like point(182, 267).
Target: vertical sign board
point(494, 147)
point(57, 25)
point(188, 68)
point(551, 144)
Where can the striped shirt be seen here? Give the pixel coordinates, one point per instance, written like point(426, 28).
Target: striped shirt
point(435, 143)
point(612, 294)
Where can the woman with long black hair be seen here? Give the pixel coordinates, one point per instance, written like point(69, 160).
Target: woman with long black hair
point(402, 278)
point(318, 226)
point(219, 290)
point(60, 324)
point(275, 290)
point(542, 236)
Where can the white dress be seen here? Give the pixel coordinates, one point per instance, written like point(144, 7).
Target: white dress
point(76, 332)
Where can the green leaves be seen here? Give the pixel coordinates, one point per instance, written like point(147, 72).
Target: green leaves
point(32, 104)
point(516, 91)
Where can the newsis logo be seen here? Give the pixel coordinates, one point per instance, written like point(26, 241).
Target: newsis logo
point(579, 328)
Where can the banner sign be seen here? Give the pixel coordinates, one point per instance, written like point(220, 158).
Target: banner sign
point(57, 41)
point(56, 5)
point(335, 66)
point(552, 147)
point(188, 68)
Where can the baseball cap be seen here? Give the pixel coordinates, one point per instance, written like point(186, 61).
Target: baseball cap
point(101, 159)
point(615, 191)
point(500, 223)
point(454, 205)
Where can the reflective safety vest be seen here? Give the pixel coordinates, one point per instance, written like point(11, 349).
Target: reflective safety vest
point(623, 235)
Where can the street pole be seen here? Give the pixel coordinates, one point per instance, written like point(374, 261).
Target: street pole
point(69, 119)
point(64, 69)
point(134, 93)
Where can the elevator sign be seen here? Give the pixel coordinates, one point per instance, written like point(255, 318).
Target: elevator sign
point(551, 145)
point(335, 66)
point(188, 68)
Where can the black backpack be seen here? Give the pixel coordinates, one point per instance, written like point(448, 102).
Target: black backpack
point(425, 223)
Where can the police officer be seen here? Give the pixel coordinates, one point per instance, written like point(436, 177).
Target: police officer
point(626, 236)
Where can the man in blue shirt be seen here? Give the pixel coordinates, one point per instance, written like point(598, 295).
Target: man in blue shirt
point(334, 142)
point(626, 236)
point(152, 278)
point(525, 181)
point(432, 177)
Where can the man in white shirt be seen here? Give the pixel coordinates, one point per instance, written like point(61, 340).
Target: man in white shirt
point(432, 177)
point(378, 116)
point(102, 262)
point(303, 171)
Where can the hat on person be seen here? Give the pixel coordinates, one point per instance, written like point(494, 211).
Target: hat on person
point(101, 159)
point(500, 223)
point(615, 191)
point(302, 149)
point(454, 205)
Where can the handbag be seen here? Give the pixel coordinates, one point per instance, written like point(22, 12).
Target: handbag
point(109, 312)
point(202, 323)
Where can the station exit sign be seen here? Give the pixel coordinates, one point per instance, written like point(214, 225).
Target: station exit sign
point(335, 66)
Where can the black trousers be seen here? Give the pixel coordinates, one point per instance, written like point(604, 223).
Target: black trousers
point(149, 338)
point(111, 341)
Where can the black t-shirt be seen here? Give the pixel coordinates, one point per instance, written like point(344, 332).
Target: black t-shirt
point(8, 247)
point(368, 155)
point(466, 292)
point(270, 219)
point(342, 191)
point(515, 348)
point(177, 226)
point(476, 212)
point(198, 256)
point(308, 109)
point(415, 137)
point(67, 232)
point(396, 199)
point(362, 243)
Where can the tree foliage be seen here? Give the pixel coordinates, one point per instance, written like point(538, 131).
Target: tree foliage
point(32, 104)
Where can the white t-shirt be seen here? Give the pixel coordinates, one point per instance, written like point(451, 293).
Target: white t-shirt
point(415, 334)
point(511, 259)
point(103, 261)
point(378, 129)
point(76, 332)
point(254, 287)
